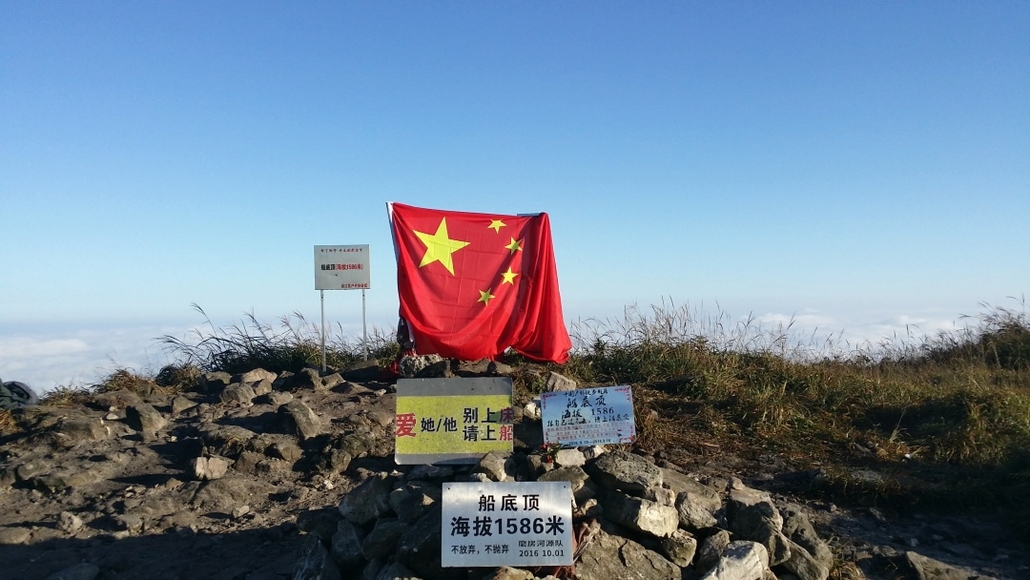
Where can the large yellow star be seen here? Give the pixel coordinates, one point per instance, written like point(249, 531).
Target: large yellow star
point(439, 247)
point(485, 297)
point(496, 225)
point(509, 276)
point(514, 246)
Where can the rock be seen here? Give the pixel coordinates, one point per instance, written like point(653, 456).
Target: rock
point(299, 418)
point(624, 472)
point(742, 560)
point(711, 550)
point(414, 499)
point(558, 382)
point(362, 371)
point(680, 548)
point(145, 419)
point(369, 500)
point(12, 536)
point(582, 488)
point(180, 404)
point(641, 514)
point(810, 557)
point(238, 394)
point(753, 516)
point(497, 466)
point(257, 376)
point(346, 545)
point(509, 573)
point(315, 562)
point(411, 366)
point(214, 382)
point(383, 538)
point(569, 457)
point(73, 431)
point(208, 468)
point(929, 569)
point(69, 522)
point(608, 557)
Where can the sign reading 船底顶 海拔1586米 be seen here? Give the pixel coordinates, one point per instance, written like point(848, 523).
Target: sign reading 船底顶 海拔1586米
point(592, 416)
point(521, 524)
point(342, 268)
point(454, 420)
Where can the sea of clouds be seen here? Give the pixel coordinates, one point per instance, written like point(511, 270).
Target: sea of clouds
point(79, 357)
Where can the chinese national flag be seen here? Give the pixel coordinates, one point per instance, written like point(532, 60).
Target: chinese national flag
point(471, 284)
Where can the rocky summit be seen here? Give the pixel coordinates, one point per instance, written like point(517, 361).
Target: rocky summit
point(263, 476)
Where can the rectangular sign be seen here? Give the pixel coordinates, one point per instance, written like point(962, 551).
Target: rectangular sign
point(583, 417)
point(455, 421)
point(521, 524)
point(342, 268)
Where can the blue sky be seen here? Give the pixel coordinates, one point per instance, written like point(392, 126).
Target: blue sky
point(856, 166)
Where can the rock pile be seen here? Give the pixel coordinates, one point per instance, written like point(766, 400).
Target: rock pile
point(262, 475)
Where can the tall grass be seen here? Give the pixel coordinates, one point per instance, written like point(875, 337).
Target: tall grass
point(292, 345)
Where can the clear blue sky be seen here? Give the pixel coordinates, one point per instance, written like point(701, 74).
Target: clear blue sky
point(852, 164)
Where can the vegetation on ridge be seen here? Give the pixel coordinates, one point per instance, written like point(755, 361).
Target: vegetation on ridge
point(942, 423)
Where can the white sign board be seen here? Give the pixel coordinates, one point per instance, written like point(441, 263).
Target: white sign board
point(585, 417)
point(342, 268)
point(521, 524)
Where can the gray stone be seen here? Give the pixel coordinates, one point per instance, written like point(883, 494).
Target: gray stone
point(395, 571)
point(301, 419)
point(509, 573)
point(414, 499)
point(145, 419)
point(711, 550)
point(680, 548)
point(569, 458)
point(256, 376)
point(558, 382)
point(624, 471)
point(332, 381)
point(308, 378)
point(382, 540)
point(14, 535)
point(180, 404)
point(208, 468)
point(77, 430)
point(323, 523)
point(696, 512)
point(579, 481)
point(753, 516)
point(811, 557)
point(369, 500)
point(742, 560)
point(608, 557)
point(411, 366)
point(641, 514)
point(497, 466)
point(214, 382)
point(69, 522)
point(929, 569)
point(238, 394)
point(315, 562)
point(345, 547)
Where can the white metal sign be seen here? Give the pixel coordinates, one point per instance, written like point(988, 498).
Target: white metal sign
point(584, 417)
point(521, 524)
point(342, 268)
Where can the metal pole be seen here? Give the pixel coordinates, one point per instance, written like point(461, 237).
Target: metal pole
point(364, 328)
point(321, 294)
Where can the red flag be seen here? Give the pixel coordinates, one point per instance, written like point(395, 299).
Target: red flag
point(473, 284)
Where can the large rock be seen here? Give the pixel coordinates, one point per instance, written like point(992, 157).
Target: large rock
point(609, 557)
point(369, 500)
point(742, 560)
point(810, 557)
point(300, 419)
point(641, 514)
point(145, 419)
point(315, 562)
point(753, 516)
point(624, 471)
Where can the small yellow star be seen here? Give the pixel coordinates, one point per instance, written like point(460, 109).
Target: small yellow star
point(509, 276)
point(496, 225)
point(485, 297)
point(439, 247)
point(514, 246)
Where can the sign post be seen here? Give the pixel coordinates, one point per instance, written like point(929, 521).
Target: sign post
point(343, 268)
